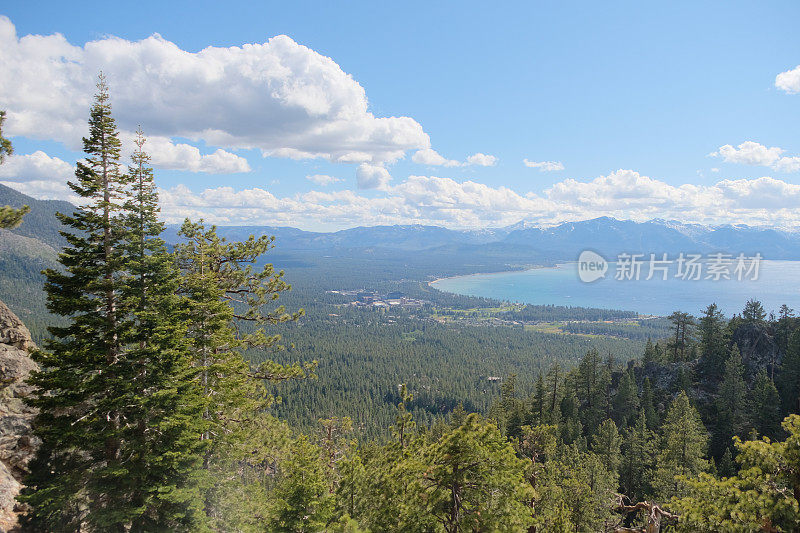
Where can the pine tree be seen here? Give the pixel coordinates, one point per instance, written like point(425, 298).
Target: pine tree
point(9, 217)
point(118, 401)
point(684, 333)
point(762, 496)
point(753, 312)
point(474, 481)
point(224, 300)
point(539, 401)
point(682, 450)
point(790, 375)
point(163, 445)
point(606, 445)
point(626, 401)
point(636, 470)
point(302, 501)
point(81, 388)
point(713, 345)
point(731, 404)
point(765, 406)
point(648, 405)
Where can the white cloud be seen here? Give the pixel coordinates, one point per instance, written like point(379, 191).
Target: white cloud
point(322, 179)
point(623, 194)
point(544, 166)
point(180, 156)
point(482, 160)
point(279, 96)
point(431, 157)
point(372, 176)
point(787, 164)
point(753, 153)
point(37, 166)
point(789, 81)
point(749, 153)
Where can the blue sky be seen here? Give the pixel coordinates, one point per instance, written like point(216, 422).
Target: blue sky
point(629, 97)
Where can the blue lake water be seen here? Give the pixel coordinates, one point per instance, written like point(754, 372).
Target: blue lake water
point(778, 283)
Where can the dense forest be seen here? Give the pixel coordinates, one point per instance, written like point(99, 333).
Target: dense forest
point(182, 389)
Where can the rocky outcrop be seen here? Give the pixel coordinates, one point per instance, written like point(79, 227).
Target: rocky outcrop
point(758, 348)
point(17, 444)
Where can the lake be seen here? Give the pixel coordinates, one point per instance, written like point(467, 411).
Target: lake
point(778, 283)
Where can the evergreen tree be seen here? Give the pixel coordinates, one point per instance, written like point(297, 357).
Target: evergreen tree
point(474, 481)
point(539, 401)
point(9, 217)
point(684, 335)
point(713, 345)
point(683, 441)
point(118, 400)
point(636, 470)
point(765, 406)
point(626, 401)
point(764, 495)
point(790, 375)
point(786, 324)
point(81, 389)
point(577, 493)
point(731, 404)
point(224, 300)
point(163, 445)
point(606, 446)
point(753, 312)
point(648, 405)
point(302, 501)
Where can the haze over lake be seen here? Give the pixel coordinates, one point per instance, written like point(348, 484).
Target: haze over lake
point(778, 283)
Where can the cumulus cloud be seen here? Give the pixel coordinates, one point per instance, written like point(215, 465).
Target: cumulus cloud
point(544, 166)
point(753, 153)
point(482, 160)
point(431, 157)
point(37, 166)
point(789, 81)
point(372, 176)
point(322, 179)
point(38, 175)
point(278, 96)
point(623, 194)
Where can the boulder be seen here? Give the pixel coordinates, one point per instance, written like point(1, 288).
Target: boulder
point(17, 443)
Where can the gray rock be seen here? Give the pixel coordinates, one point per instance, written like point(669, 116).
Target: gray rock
point(17, 443)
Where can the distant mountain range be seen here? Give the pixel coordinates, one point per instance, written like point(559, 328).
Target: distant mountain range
point(564, 241)
point(519, 243)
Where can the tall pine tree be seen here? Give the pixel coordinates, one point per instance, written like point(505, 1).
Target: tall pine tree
point(117, 397)
point(80, 388)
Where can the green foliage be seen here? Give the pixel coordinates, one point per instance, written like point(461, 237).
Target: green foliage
point(473, 481)
point(574, 493)
point(682, 448)
point(762, 496)
point(765, 406)
point(731, 404)
point(638, 460)
point(790, 375)
point(119, 406)
point(713, 344)
point(606, 446)
point(9, 217)
point(301, 500)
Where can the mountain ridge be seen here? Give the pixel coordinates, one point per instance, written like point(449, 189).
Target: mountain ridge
point(563, 241)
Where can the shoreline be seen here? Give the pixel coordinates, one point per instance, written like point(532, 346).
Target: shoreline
point(497, 272)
